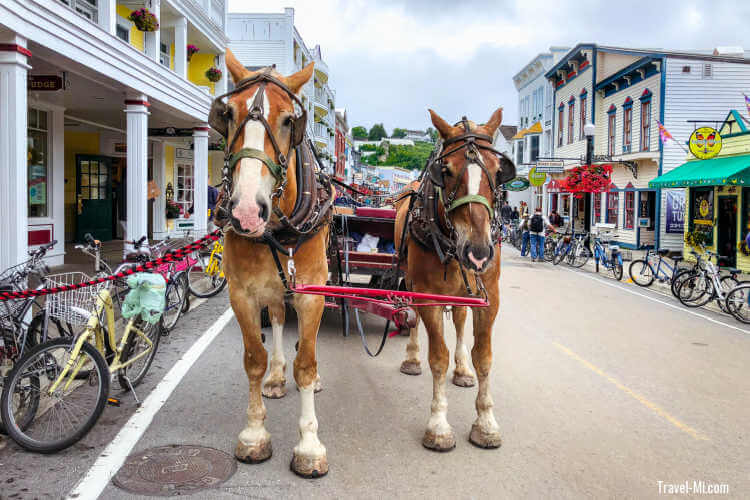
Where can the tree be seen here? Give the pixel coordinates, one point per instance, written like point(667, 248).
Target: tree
point(359, 132)
point(377, 132)
point(432, 133)
point(398, 133)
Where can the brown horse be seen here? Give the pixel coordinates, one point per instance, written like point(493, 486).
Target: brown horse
point(250, 268)
point(471, 178)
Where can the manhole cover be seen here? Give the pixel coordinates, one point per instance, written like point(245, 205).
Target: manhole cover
point(173, 470)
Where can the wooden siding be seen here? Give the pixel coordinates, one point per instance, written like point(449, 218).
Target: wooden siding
point(689, 96)
point(607, 64)
point(563, 94)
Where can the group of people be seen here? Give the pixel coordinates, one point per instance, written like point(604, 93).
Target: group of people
point(532, 228)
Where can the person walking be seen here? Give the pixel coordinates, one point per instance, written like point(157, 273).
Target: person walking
point(515, 216)
point(506, 212)
point(555, 219)
point(524, 228)
point(537, 224)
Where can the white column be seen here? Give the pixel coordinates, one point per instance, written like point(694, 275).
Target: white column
point(151, 38)
point(221, 85)
point(108, 15)
point(180, 47)
point(137, 167)
point(200, 171)
point(160, 173)
point(13, 155)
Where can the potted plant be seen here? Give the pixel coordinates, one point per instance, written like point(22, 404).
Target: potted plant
point(191, 49)
point(144, 20)
point(173, 209)
point(213, 74)
point(697, 238)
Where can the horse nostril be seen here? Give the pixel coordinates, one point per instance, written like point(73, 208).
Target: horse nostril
point(263, 211)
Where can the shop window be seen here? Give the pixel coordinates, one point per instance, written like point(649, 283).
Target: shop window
point(185, 183)
point(583, 116)
point(613, 205)
point(611, 124)
point(745, 213)
point(565, 205)
point(519, 151)
point(38, 163)
point(534, 151)
point(553, 202)
point(645, 125)
point(629, 209)
point(597, 207)
point(165, 57)
point(571, 120)
point(560, 117)
point(702, 211)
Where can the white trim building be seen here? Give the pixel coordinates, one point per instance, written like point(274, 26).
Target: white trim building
point(103, 88)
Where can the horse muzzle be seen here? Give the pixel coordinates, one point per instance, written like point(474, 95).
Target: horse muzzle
point(477, 257)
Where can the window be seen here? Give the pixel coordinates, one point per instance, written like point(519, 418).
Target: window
point(627, 125)
point(38, 163)
point(565, 205)
point(86, 8)
point(560, 126)
point(629, 209)
point(571, 120)
point(708, 71)
point(184, 180)
point(519, 151)
point(597, 207)
point(702, 211)
point(165, 57)
point(611, 124)
point(553, 202)
point(646, 121)
point(584, 95)
point(534, 148)
point(613, 201)
point(122, 30)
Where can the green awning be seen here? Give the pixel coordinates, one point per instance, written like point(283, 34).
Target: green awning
point(730, 170)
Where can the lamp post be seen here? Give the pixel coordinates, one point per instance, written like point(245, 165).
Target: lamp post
point(588, 131)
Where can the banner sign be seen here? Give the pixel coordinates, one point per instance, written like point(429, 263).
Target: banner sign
point(537, 178)
point(44, 82)
point(550, 166)
point(517, 184)
point(675, 211)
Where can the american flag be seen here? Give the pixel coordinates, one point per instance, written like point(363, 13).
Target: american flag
point(664, 134)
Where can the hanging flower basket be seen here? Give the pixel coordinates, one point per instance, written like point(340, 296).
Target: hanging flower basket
point(144, 20)
point(172, 209)
point(587, 179)
point(191, 49)
point(213, 74)
point(697, 238)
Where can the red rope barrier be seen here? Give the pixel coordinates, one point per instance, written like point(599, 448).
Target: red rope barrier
point(391, 296)
point(172, 256)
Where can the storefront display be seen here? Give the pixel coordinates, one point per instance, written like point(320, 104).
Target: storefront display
point(675, 222)
point(37, 163)
point(702, 211)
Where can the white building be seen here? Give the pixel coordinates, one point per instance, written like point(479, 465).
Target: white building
point(394, 179)
point(418, 136)
point(97, 117)
point(623, 92)
point(260, 40)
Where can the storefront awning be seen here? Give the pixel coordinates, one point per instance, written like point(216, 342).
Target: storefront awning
point(731, 170)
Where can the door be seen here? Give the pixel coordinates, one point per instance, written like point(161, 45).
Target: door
point(587, 213)
point(94, 196)
point(727, 225)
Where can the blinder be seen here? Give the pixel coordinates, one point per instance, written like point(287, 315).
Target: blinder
point(218, 117)
point(507, 170)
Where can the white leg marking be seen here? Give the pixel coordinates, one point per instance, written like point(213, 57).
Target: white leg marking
point(255, 432)
point(462, 358)
point(438, 423)
point(485, 416)
point(309, 445)
point(277, 358)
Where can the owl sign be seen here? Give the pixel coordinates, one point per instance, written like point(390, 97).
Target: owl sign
point(705, 143)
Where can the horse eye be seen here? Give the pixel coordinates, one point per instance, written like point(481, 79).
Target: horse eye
point(288, 121)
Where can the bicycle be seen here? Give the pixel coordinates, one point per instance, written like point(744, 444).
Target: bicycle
point(575, 253)
point(550, 245)
point(645, 271)
point(70, 378)
point(708, 284)
point(737, 302)
point(611, 262)
point(205, 274)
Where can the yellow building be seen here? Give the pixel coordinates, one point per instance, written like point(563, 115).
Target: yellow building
point(715, 203)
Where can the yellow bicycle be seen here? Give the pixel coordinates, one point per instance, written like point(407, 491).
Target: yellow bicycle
point(65, 382)
point(205, 274)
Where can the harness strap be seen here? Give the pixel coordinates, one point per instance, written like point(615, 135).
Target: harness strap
point(472, 198)
point(278, 171)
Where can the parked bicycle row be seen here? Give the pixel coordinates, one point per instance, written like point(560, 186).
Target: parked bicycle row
point(59, 355)
point(694, 284)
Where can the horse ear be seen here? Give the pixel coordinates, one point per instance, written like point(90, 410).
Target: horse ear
point(235, 67)
point(494, 122)
point(296, 81)
point(443, 127)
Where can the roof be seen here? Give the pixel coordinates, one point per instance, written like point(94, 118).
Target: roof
point(536, 128)
point(508, 131)
point(729, 170)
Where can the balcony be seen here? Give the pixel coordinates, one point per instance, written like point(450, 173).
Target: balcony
point(321, 102)
point(320, 133)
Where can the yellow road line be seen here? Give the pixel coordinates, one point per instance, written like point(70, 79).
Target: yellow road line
point(638, 397)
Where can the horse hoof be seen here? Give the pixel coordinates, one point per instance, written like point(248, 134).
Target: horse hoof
point(483, 439)
point(439, 442)
point(276, 390)
point(253, 454)
point(463, 380)
point(411, 367)
point(309, 467)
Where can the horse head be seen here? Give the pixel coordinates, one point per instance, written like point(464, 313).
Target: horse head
point(262, 127)
point(470, 173)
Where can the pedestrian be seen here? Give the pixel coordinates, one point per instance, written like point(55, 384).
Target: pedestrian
point(506, 212)
point(555, 219)
point(537, 224)
point(524, 228)
point(515, 216)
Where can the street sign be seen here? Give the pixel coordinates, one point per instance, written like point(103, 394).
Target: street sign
point(537, 178)
point(517, 184)
point(550, 166)
point(44, 82)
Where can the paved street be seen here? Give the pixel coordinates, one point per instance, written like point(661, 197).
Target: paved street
point(599, 392)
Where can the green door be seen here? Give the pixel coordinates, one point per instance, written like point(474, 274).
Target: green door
point(94, 196)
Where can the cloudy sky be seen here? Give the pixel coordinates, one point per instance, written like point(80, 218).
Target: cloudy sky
point(390, 60)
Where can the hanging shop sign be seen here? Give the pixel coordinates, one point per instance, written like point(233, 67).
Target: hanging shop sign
point(517, 184)
point(675, 211)
point(537, 178)
point(550, 166)
point(44, 83)
point(705, 143)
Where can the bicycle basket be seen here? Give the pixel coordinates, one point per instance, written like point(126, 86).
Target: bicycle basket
point(13, 279)
point(73, 306)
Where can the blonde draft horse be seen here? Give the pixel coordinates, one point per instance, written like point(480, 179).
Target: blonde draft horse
point(252, 275)
point(424, 273)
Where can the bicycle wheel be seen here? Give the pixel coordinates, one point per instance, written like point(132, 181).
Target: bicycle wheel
point(549, 249)
point(136, 345)
point(36, 335)
point(727, 283)
point(64, 416)
point(616, 267)
point(580, 257)
point(641, 273)
point(695, 291)
point(561, 254)
point(678, 278)
point(738, 303)
point(174, 301)
point(204, 277)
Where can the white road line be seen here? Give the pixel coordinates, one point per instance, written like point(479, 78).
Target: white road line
point(673, 306)
point(114, 455)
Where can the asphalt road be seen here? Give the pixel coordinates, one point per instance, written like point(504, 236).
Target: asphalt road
point(601, 389)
